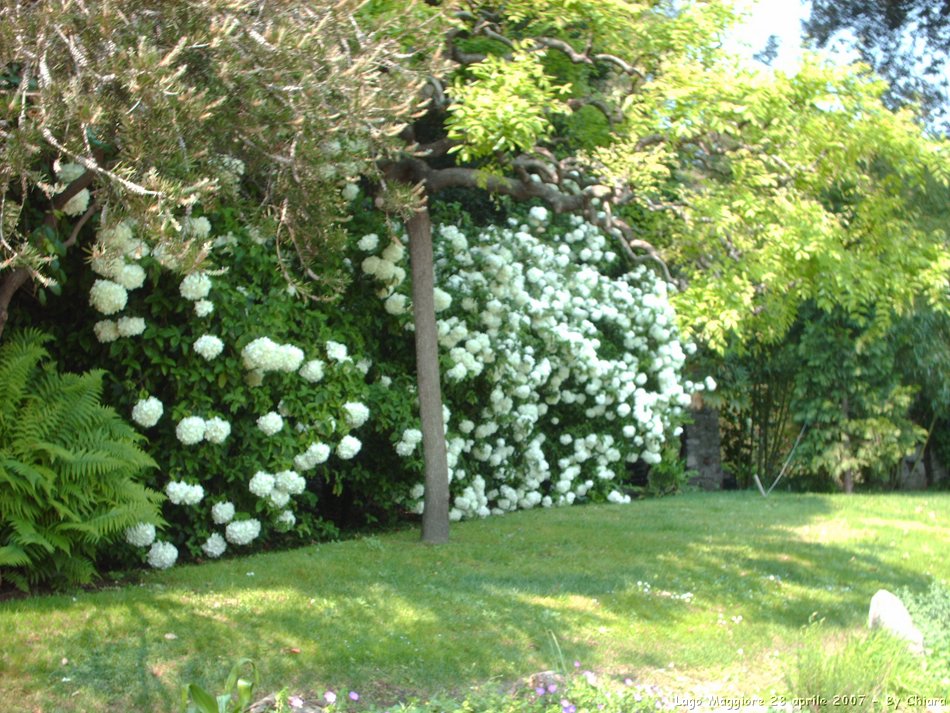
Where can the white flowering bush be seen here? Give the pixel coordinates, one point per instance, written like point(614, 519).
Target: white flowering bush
point(275, 422)
point(256, 409)
point(560, 368)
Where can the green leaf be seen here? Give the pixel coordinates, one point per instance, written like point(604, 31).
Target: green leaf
point(204, 701)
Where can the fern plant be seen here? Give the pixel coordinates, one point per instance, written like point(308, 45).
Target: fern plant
point(69, 470)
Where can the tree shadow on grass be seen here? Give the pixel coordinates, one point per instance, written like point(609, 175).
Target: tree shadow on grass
point(531, 591)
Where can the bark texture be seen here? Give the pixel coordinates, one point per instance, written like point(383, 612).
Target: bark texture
point(435, 515)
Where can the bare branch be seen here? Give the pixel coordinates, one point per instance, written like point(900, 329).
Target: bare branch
point(74, 235)
point(613, 114)
point(92, 165)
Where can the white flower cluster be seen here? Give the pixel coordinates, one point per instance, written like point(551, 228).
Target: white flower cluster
point(119, 239)
point(108, 297)
point(214, 546)
point(278, 488)
point(107, 330)
point(190, 430)
point(194, 429)
point(348, 447)
point(180, 493)
point(270, 423)
point(222, 513)
point(195, 228)
point(242, 532)
point(385, 268)
point(162, 555)
point(141, 535)
point(337, 352)
point(356, 414)
point(263, 355)
point(312, 371)
point(208, 346)
point(286, 520)
point(203, 308)
point(350, 191)
point(147, 412)
point(217, 430)
point(368, 243)
point(195, 286)
point(411, 438)
point(581, 369)
point(67, 173)
point(315, 454)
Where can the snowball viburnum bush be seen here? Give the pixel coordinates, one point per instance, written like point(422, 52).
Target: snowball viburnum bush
point(560, 367)
point(577, 363)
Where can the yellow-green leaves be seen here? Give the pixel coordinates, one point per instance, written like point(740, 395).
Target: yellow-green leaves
point(506, 107)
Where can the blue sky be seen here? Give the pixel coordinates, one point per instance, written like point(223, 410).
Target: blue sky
point(774, 17)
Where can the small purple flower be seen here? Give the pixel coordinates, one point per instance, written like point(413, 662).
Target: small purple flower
point(354, 696)
point(577, 664)
point(552, 688)
point(295, 702)
point(329, 697)
point(568, 707)
point(540, 690)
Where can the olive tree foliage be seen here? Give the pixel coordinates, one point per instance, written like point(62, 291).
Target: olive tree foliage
point(160, 108)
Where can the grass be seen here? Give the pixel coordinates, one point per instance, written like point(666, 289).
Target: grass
point(392, 619)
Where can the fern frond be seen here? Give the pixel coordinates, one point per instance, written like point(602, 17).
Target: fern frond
point(26, 534)
point(13, 556)
point(19, 355)
point(69, 470)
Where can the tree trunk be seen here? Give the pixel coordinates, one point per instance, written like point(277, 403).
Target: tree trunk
point(847, 478)
point(435, 514)
point(10, 282)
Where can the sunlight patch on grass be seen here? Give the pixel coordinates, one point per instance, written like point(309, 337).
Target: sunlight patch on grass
point(388, 614)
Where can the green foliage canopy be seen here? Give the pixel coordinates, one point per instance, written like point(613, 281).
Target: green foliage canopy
point(157, 101)
point(762, 190)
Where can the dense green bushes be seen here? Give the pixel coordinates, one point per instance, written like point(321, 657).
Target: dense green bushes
point(275, 421)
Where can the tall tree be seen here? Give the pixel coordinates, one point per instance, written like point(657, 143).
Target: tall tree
point(761, 191)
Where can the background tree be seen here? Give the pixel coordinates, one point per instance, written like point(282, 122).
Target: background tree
point(905, 41)
point(149, 113)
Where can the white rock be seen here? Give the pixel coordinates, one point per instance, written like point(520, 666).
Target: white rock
point(888, 612)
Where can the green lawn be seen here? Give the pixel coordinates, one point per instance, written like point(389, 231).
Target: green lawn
point(390, 618)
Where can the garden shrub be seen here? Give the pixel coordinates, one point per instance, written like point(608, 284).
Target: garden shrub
point(70, 470)
point(559, 366)
point(275, 420)
point(244, 391)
